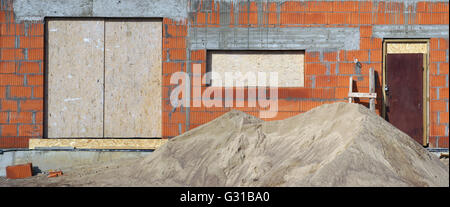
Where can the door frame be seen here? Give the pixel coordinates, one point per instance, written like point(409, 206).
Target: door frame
point(425, 86)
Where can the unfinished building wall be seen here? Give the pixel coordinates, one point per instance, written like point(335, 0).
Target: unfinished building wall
point(333, 35)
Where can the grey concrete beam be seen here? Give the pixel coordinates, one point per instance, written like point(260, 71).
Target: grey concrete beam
point(36, 10)
point(297, 38)
point(410, 31)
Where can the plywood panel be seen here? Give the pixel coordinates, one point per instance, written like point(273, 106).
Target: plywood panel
point(289, 66)
point(133, 79)
point(75, 78)
point(98, 143)
point(393, 48)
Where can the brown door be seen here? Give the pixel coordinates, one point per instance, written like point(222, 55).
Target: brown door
point(404, 81)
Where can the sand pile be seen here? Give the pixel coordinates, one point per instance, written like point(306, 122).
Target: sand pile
point(336, 144)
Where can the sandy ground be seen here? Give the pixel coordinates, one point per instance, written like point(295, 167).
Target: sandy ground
point(338, 144)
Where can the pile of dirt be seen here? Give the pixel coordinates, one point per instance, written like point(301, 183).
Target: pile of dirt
point(338, 144)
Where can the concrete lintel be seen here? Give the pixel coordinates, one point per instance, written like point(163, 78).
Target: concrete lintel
point(410, 31)
point(36, 10)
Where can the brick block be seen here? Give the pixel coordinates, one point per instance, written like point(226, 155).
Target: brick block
point(30, 130)
point(9, 130)
point(330, 56)
point(19, 171)
point(35, 80)
point(443, 117)
point(315, 69)
point(38, 92)
point(29, 67)
point(7, 67)
point(35, 54)
point(11, 79)
point(7, 41)
point(198, 55)
point(20, 92)
point(443, 142)
point(12, 54)
point(437, 56)
point(31, 105)
point(20, 117)
point(9, 105)
point(36, 29)
point(443, 93)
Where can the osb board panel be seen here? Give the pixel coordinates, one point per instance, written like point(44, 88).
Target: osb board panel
point(393, 48)
point(75, 78)
point(98, 143)
point(290, 68)
point(133, 79)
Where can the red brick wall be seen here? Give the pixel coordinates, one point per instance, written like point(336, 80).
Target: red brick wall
point(21, 71)
point(21, 79)
point(331, 87)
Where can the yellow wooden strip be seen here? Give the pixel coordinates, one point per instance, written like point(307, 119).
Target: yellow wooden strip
point(98, 143)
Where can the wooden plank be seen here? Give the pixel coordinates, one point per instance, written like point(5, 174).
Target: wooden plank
point(350, 89)
point(75, 78)
point(372, 88)
point(362, 95)
point(98, 143)
point(133, 68)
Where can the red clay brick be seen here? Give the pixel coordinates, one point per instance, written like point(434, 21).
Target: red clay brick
point(437, 56)
point(438, 105)
point(443, 44)
point(30, 130)
point(315, 69)
point(434, 43)
point(35, 54)
point(38, 92)
point(443, 69)
point(7, 41)
point(9, 130)
point(177, 54)
point(36, 80)
point(312, 57)
point(11, 79)
point(437, 81)
point(361, 55)
point(12, 54)
point(443, 117)
point(20, 117)
point(19, 171)
point(31, 42)
point(9, 105)
point(20, 92)
point(443, 93)
point(3, 117)
point(330, 56)
point(198, 55)
point(443, 142)
point(12, 29)
point(31, 105)
point(36, 30)
point(437, 130)
point(29, 67)
point(365, 31)
point(7, 67)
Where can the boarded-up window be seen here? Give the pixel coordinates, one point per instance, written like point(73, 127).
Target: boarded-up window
point(289, 66)
point(104, 78)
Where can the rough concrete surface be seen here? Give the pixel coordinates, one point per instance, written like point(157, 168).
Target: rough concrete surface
point(338, 144)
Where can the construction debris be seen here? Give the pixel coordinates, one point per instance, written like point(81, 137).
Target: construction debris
point(52, 174)
point(19, 171)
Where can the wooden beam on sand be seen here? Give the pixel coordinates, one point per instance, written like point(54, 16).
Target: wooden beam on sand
point(143, 144)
